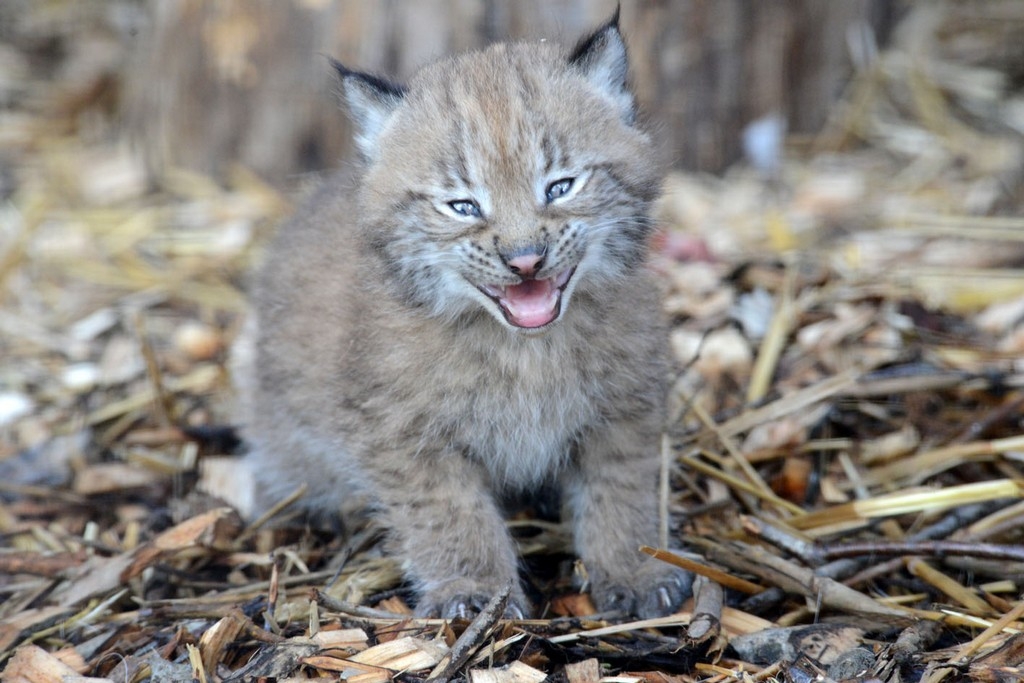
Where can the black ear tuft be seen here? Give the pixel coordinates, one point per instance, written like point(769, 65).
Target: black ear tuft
point(601, 58)
point(382, 85)
point(586, 43)
point(370, 101)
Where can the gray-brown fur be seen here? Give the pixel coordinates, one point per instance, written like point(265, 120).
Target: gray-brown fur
point(383, 369)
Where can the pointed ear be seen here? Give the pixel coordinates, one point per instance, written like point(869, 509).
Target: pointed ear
point(370, 102)
point(601, 59)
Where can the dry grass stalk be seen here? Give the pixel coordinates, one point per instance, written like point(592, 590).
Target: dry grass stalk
point(956, 591)
point(761, 489)
point(774, 341)
point(902, 503)
point(736, 484)
point(658, 622)
point(916, 468)
point(716, 575)
point(796, 401)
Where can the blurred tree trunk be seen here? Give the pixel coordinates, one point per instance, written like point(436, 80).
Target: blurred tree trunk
point(222, 81)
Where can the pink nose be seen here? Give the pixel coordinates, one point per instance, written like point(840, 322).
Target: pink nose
point(526, 264)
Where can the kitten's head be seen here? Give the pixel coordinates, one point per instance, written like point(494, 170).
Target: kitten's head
point(506, 179)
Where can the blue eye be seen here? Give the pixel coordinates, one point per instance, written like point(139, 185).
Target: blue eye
point(558, 189)
point(465, 207)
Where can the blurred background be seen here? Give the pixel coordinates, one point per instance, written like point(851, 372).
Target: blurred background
point(203, 84)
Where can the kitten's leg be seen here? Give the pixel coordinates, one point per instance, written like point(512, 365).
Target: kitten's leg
point(613, 498)
point(449, 531)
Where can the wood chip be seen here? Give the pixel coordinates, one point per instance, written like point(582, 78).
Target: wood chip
point(32, 664)
point(516, 672)
point(586, 671)
point(403, 654)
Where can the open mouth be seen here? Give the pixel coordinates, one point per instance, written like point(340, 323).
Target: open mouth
point(531, 303)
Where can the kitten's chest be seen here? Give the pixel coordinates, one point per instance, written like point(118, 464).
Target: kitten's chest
point(525, 410)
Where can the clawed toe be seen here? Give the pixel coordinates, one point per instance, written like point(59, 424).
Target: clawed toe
point(656, 594)
point(467, 607)
point(463, 607)
point(665, 597)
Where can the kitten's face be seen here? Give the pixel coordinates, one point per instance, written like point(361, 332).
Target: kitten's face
point(510, 183)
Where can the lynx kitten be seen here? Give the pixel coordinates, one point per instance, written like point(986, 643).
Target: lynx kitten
point(468, 317)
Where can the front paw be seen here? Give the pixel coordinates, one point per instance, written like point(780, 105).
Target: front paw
point(656, 590)
point(465, 600)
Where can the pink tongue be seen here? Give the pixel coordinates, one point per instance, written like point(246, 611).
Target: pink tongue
point(532, 303)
